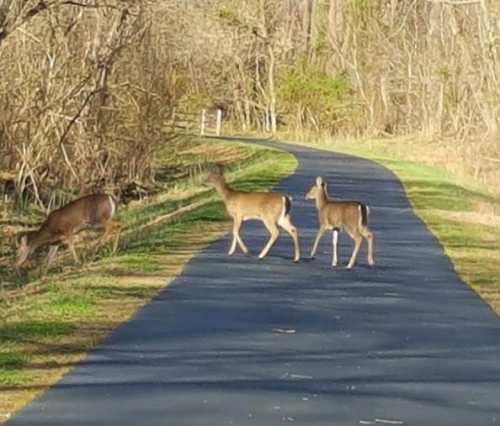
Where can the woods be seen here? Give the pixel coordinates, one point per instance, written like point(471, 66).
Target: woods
point(79, 111)
point(87, 86)
point(394, 103)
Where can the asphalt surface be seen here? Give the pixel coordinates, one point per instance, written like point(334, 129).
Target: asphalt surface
point(238, 341)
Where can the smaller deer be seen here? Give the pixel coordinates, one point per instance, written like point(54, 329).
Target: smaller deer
point(351, 216)
point(271, 208)
point(91, 211)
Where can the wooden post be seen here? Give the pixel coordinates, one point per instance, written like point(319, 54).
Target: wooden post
point(203, 120)
point(173, 119)
point(219, 122)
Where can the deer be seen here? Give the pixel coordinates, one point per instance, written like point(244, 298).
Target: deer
point(271, 208)
point(350, 216)
point(61, 226)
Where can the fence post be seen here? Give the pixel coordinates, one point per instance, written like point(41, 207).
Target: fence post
point(203, 120)
point(172, 116)
point(267, 121)
point(219, 122)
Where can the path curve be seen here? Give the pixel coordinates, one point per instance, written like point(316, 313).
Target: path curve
point(404, 343)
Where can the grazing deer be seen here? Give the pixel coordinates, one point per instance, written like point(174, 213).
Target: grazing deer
point(270, 208)
point(91, 211)
point(351, 216)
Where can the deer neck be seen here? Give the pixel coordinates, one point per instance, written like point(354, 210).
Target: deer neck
point(224, 191)
point(38, 238)
point(321, 200)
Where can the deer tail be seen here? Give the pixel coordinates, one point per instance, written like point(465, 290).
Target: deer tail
point(365, 212)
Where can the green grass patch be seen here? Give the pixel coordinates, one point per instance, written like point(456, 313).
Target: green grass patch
point(12, 369)
point(69, 305)
point(11, 361)
point(431, 188)
point(139, 261)
point(34, 329)
point(74, 307)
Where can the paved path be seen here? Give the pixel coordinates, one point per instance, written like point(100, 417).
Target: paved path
point(404, 343)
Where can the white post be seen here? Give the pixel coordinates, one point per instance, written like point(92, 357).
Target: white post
point(202, 126)
point(173, 119)
point(267, 121)
point(219, 122)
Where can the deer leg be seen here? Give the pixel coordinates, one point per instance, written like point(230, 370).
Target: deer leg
point(117, 239)
point(236, 235)
point(368, 235)
point(240, 242)
point(52, 254)
point(321, 232)
point(357, 244)
point(50, 257)
point(236, 227)
point(237, 239)
point(22, 258)
point(288, 226)
point(335, 240)
point(233, 246)
point(274, 231)
point(108, 229)
point(69, 243)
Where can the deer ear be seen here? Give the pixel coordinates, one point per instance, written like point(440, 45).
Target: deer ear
point(319, 181)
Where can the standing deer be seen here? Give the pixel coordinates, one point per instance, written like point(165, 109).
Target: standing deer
point(91, 211)
point(351, 216)
point(271, 208)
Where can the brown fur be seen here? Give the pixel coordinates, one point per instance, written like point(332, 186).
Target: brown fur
point(271, 208)
point(91, 211)
point(350, 216)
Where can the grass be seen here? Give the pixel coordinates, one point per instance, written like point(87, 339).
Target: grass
point(12, 368)
point(46, 331)
point(460, 211)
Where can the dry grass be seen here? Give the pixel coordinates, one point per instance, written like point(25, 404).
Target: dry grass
point(471, 162)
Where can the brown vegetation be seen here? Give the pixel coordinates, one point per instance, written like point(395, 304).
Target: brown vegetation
point(87, 86)
point(80, 110)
